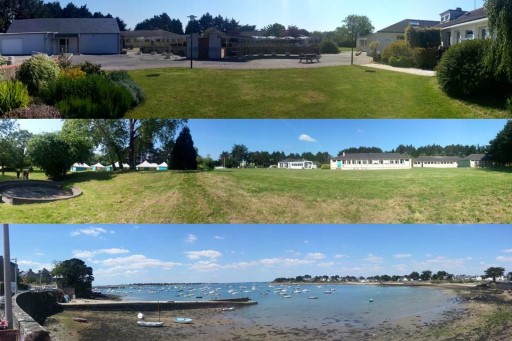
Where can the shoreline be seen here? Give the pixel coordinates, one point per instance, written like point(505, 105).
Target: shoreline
point(483, 313)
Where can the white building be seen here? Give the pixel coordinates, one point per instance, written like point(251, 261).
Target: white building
point(473, 161)
point(146, 166)
point(296, 164)
point(371, 161)
point(457, 26)
point(392, 34)
point(437, 162)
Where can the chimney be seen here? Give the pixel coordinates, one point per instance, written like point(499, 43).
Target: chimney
point(343, 153)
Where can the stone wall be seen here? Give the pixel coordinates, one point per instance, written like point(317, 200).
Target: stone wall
point(30, 309)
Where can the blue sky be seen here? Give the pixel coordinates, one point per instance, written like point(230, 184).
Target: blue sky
point(214, 136)
point(121, 254)
point(323, 15)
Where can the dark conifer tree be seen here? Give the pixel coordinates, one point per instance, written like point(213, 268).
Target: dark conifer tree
point(184, 155)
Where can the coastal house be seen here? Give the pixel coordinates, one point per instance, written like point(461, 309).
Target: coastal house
point(371, 161)
point(296, 164)
point(146, 166)
point(392, 34)
point(458, 25)
point(437, 162)
point(61, 35)
point(473, 161)
point(80, 167)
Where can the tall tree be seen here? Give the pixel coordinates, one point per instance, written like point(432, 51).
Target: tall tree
point(500, 149)
point(76, 274)
point(494, 272)
point(184, 155)
point(193, 26)
point(239, 152)
point(358, 25)
point(499, 13)
point(274, 30)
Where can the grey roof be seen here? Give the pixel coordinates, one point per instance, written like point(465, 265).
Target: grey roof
point(150, 33)
point(475, 157)
point(480, 13)
point(372, 156)
point(65, 25)
point(400, 27)
point(293, 160)
point(438, 159)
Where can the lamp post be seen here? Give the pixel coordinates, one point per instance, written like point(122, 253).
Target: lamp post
point(7, 278)
point(191, 18)
point(352, 55)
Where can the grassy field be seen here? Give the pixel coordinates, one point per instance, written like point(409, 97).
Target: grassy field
point(279, 196)
point(330, 92)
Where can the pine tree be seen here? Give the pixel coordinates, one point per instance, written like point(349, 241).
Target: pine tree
point(184, 155)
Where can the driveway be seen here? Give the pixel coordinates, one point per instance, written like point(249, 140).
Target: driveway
point(132, 61)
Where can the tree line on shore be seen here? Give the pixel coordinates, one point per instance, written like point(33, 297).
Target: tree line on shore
point(426, 275)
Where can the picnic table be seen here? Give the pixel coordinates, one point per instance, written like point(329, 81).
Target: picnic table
point(309, 57)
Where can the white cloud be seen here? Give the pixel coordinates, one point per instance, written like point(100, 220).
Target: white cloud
point(402, 255)
point(507, 251)
point(326, 264)
point(315, 256)
point(285, 261)
point(341, 256)
point(504, 259)
point(212, 254)
point(219, 237)
point(90, 254)
point(374, 259)
point(191, 238)
point(28, 264)
point(306, 138)
point(133, 263)
point(205, 266)
point(91, 232)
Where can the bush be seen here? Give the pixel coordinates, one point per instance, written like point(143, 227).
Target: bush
point(64, 62)
point(325, 166)
point(422, 37)
point(401, 61)
point(75, 72)
point(37, 71)
point(123, 79)
point(509, 104)
point(398, 50)
point(462, 71)
point(329, 47)
point(424, 58)
point(91, 69)
point(88, 97)
point(13, 95)
point(3, 60)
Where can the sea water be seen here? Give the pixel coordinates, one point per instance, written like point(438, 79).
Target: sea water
point(314, 306)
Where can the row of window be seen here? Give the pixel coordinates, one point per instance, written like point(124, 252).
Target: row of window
point(372, 162)
point(434, 163)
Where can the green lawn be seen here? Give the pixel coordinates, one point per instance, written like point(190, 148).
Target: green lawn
point(280, 196)
point(330, 92)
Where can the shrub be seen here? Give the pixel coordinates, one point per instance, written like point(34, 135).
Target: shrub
point(88, 97)
point(13, 95)
point(91, 69)
point(325, 166)
point(425, 58)
point(329, 47)
point(3, 60)
point(422, 37)
point(36, 71)
point(509, 104)
point(123, 79)
point(401, 61)
point(462, 71)
point(397, 50)
point(75, 72)
point(64, 62)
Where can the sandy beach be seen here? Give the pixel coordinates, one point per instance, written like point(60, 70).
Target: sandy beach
point(483, 314)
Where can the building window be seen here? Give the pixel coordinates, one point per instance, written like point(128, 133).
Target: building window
point(400, 37)
point(469, 35)
point(485, 33)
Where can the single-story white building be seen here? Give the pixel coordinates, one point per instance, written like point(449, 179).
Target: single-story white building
point(296, 164)
point(371, 161)
point(61, 35)
point(163, 167)
point(392, 34)
point(473, 161)
point(457, 26)
point(146, 166)
point(125, 166)
point(437, 162)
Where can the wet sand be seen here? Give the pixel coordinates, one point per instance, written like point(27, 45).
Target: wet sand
point(483, 315)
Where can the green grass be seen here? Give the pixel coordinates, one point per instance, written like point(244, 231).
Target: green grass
point(279, 196)
point(329, 92)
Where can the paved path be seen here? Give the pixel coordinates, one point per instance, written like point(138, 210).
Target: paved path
point(411, 71)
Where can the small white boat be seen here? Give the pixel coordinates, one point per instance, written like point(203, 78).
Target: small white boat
point(313, 297)
point(287, 296)
point(370, 300)
point(150, 324)
point(228, 309)
point(183, 320)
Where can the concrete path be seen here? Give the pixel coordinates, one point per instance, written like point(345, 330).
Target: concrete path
point(418, 72)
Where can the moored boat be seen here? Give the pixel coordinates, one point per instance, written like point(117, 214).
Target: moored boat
point(183, 320)
point(150, 324)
